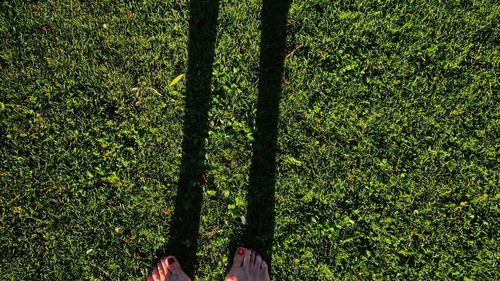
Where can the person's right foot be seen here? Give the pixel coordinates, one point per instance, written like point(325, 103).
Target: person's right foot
point(248, 266)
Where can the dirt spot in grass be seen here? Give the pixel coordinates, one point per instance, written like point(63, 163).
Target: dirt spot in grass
point(46, 29)
point(35, 8)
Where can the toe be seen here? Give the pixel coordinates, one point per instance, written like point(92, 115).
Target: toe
point(258, 261)
point(239, 256)
point(252, 258)
point(174, 265)
point(165, 267)
point(247, 257)
point(265, 269)
point(164, 263)
point(264, 266)
point(161, 270)
point(156, 275)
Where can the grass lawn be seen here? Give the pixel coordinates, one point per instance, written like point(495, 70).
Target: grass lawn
point(353, 140)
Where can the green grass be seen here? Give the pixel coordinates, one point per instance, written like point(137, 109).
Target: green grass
point(387, 144)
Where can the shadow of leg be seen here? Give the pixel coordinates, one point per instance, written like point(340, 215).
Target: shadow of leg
point(186, 217)
point(260, 216)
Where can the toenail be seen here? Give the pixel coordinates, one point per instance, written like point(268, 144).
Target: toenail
point(241, 251)
point(171, 260)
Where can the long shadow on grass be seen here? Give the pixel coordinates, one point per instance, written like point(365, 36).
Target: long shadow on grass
point(260, 214)
point(186, 217)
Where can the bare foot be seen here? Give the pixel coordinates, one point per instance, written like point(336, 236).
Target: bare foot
point(248, 266)
point(168, 269)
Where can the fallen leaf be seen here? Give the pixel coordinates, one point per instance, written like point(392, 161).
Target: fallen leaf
point(176, 80)
point(154, 91)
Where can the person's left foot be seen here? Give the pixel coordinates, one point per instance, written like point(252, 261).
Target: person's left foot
point(248, 266)
point(168, 269)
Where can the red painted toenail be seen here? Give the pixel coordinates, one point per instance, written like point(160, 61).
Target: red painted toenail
point(171, 260)
point(241, 251)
